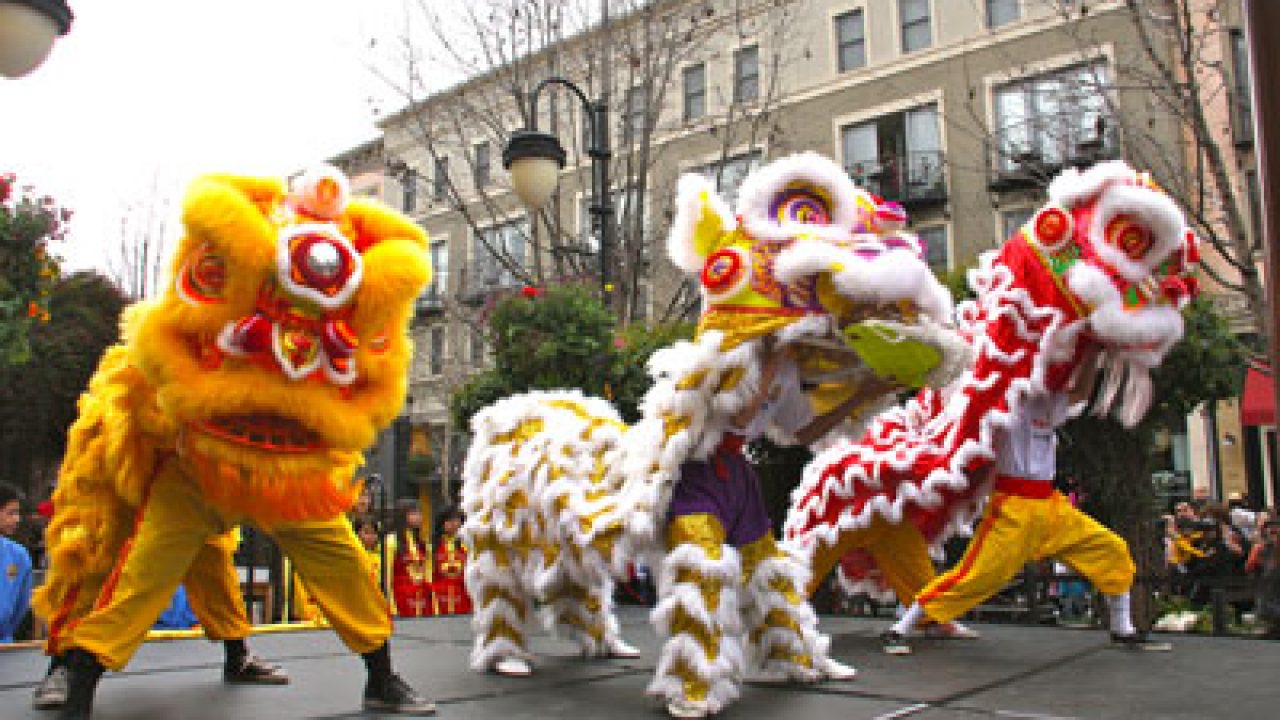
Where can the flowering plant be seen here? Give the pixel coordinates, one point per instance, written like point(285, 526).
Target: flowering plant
point(28, 270)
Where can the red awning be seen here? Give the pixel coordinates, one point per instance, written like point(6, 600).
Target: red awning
point(1258, 402)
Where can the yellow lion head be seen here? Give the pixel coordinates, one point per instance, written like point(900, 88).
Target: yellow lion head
point(279, 348)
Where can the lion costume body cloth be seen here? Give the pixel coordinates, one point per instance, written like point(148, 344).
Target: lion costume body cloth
point(1107, 263)
point(561, 495)
point(246, 392)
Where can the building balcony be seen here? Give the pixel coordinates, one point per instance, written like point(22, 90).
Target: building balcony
point(915, 179)
point(1033, 166)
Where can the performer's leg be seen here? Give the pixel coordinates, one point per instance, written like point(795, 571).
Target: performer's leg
point(1103, 558)
point(504, 607)
point(171, 525)
point(783, 630)
point(336, 570)
point(698, 614)
point(213, 589)
point(1000, 547)
point(902, 555)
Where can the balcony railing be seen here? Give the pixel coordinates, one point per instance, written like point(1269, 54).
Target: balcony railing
point(915, 179)
point(1023, 157)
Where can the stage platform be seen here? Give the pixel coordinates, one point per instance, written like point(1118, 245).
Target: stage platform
point(1011, 672)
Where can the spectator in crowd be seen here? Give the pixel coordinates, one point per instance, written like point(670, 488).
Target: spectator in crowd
point(449, 583)
point(368, 531)
point(15, 567)
point(1242, 517)
point(1264, 563)
point(411, 576)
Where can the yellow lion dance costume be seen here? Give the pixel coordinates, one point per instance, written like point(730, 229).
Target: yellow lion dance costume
point(245, 393)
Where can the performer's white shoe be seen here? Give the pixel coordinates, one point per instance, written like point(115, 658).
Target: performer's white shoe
point(948, 630)
point(835, 670)
point(682, 708)
point(616, 647)
point(513, 667)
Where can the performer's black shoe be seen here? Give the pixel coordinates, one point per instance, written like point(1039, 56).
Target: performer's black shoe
point(1139, 641)
point(253, 670)
point(391, 694)
point(83, 673)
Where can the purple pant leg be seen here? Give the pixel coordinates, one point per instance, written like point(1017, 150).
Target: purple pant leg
point(734, 500)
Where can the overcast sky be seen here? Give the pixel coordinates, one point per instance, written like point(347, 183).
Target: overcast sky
point(142, 92)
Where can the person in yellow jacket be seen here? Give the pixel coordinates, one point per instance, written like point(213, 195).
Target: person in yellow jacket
point(1027, 519)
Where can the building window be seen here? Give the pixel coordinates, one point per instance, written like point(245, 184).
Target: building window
point(695, 92)
point(1002, 12)
point(916, 31)
point(730, 173)
point(1012, 220)
point(898, 156)
point(477, 347)
point(440, 183)
point(633, 120)
point(508, 241)
point(409, 190)
point(851, 41)
point(482, 167)
point(1054, 119)
point(1243, 104)
point(746, 75)
point(439, 271)
point(934, 239)
point(435, 365)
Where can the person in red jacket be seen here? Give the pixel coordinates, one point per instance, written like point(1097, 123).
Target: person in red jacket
point(449, 586)
point(411, 567)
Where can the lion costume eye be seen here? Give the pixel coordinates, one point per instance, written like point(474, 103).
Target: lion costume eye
point(1127, 236)
point(203, 277)
point(725, 272)
point(804, 204)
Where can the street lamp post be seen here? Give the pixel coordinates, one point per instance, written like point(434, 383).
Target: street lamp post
point(27, 31)
point(534, 159)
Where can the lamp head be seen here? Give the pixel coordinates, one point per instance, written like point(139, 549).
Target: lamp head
point(534, 159)
point(27, 31)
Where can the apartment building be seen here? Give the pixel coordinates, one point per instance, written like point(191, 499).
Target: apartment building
point(960, 109)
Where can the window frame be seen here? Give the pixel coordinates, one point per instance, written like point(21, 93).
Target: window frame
point(482, 172)
point(906, 25)
point(945, 246)
point(1011, 5)
point(440, 178)
point(700, 95)
point(841, 44)
point(740, 79)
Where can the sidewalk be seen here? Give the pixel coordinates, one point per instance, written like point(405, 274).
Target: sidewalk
point(1012, 672)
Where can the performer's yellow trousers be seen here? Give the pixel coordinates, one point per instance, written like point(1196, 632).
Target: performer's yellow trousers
point(900, 552)
point(1015, 530)
point(172, 529)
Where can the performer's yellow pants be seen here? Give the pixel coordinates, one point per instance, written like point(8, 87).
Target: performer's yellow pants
point(213, 590)
point(900, 552)
point(172, 528)
point(1015, 530)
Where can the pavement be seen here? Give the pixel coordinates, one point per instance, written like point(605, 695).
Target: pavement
point(1041, 673)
